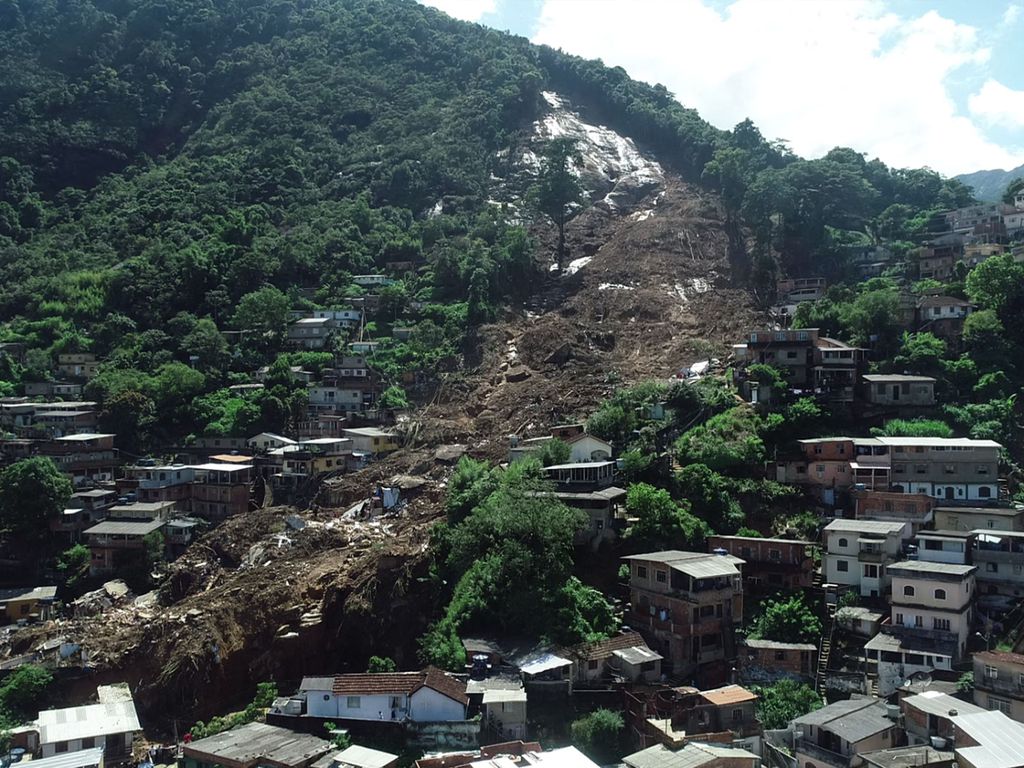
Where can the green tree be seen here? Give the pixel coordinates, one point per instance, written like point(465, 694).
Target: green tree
point(784, 701)
point(381, 664)
point(32, 492)
point(23, 692)
point(1013, 189)
point(553, 452)
point(558, 190)
point(73, 564)
point(789, 620)
point(600, 735)
point(986, 343)
point(263, 312)
point(394, 397)
point(207, 344)
point(130, 415)
point(711, 497)
point(921, 354)
point(470, 484)
point(913, 428)
point(662, 522)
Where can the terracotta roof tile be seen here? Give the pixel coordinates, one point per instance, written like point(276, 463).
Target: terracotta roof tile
point(729, 694)
point(602, 649)
point(370, 683)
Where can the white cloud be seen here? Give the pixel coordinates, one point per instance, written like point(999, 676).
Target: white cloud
point(467, 10)
point(817, 74)
point(996, 104)
point(1011, 15)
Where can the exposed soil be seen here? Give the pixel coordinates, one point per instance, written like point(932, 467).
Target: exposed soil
point(245, 605)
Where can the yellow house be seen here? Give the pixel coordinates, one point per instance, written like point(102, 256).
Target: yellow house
point(27, 603)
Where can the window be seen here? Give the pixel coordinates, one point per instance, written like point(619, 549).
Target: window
point(941, 624)
point(984, 492)
point(918, 621)
point(60, 746)
point(737, 715)
point(999, 705)
point(992, 567)
point(844, 543)
point(921, 469)
point(774, 554)
point(991, 673)
point(899, 618)
point(940, 594)
point(870, 571)
point(641, 572)
point(982, 469)
point(949, 469)
point(842, 566)
point(352, 702)
point(660, 576)
point(780, 655)
point(89, 742)
point(908, 591)
point(592, 664)
point(327, 697)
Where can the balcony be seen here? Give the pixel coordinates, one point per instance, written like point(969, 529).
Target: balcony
point(1000, 686)
point(821, 754)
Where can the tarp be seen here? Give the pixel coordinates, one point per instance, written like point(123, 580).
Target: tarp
point(537, 664)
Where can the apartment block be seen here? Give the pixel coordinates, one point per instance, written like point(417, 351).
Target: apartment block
point(687, 605)
point(859, 552)
point(955, 470)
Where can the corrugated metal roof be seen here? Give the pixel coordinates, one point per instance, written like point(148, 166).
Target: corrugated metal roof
point(91, 720)
point(126, 527)
point(938, 442)
point(364, 757)
point(637, 655)
point(938, 703)
point(699, 565)
point(926, 567)
point(1000, 740)
point(692, 755)
point(853, 720)
point(82, 758)
point(865, 526)
point(259, 741)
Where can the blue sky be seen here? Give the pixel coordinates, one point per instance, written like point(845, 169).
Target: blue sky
point(914, 82)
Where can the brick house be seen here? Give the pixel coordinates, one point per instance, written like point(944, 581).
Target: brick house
point(769, 564)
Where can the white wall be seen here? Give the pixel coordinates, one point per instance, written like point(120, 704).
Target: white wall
point(428, 706)
point(327, 704)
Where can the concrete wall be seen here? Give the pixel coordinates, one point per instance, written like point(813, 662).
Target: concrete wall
point(429, 706)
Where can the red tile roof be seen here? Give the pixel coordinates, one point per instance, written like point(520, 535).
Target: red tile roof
point(370, 683)
point(602, 649)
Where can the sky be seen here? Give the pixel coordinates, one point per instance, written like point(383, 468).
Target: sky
point(936, 83)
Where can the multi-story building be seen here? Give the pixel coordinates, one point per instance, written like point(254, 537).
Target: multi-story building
point(114, 542)
point(931, 616)
point(859, 553)
point(979, 518)
point(999, 557)
point(312, 332)
point(85, 458)
point(810, 363)
point(999, 682)
point(929, 715)
point(769, 564)
point(221, 489)
point(914, 508)
point(837, 734)
point(77, 365)
point(687, 605)
point(800, 289)
point(160, 483)
point(834, 465)
point(952, 469)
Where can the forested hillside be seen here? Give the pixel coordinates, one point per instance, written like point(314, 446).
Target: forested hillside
point(173, 171)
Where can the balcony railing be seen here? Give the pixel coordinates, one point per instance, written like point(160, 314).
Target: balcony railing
point(811, 749)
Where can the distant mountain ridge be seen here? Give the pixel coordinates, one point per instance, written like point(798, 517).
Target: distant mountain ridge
point(990, 185)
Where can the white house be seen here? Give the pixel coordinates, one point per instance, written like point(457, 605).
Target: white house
point(858, 551)
point(265, 442)
point(424, 697)
point(111, 724)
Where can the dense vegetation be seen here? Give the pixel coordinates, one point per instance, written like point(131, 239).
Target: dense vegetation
point(169, 172)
